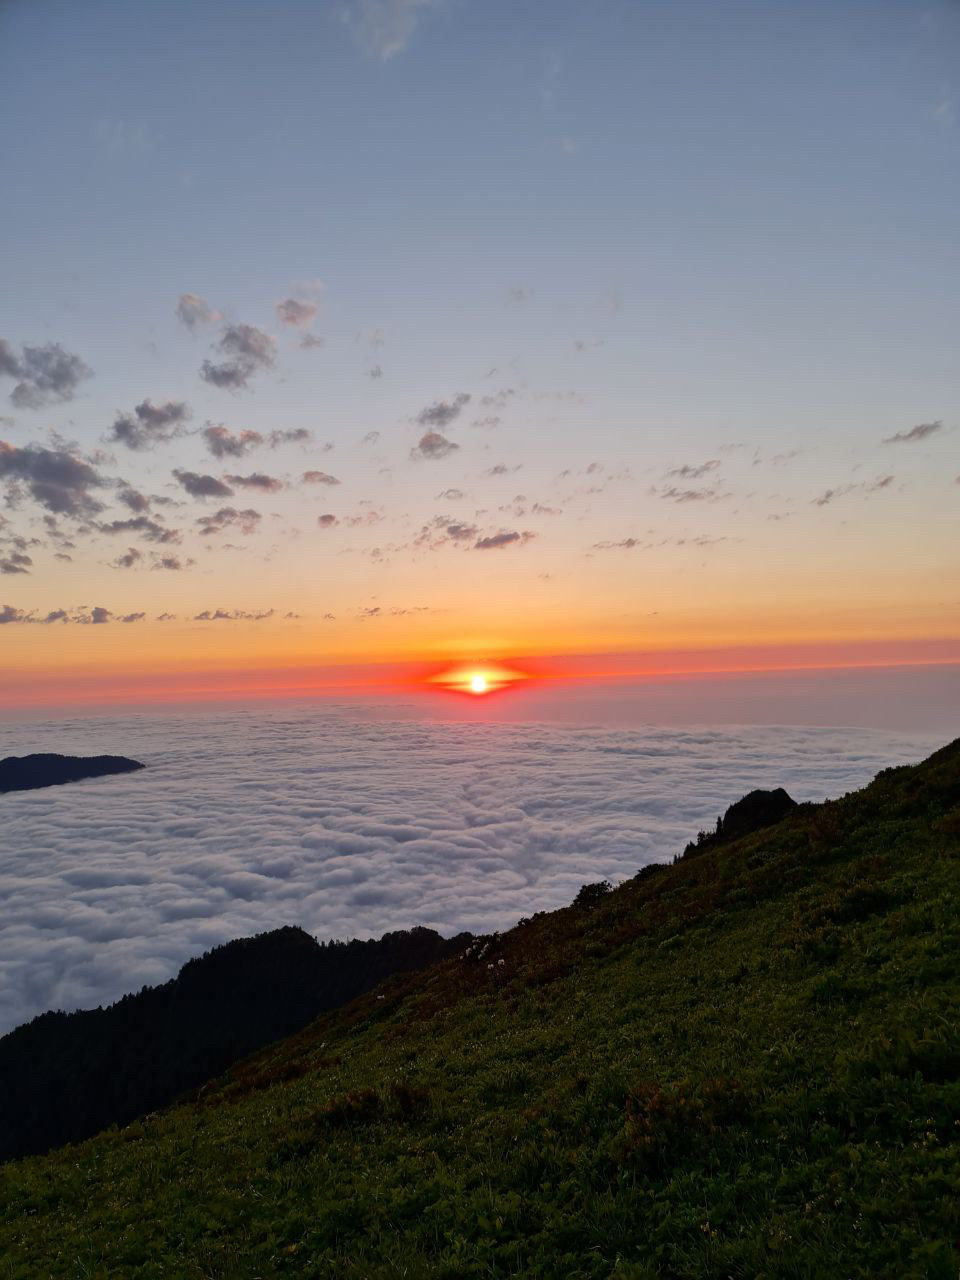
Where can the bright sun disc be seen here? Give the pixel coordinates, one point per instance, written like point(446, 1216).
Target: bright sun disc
point(476, 681)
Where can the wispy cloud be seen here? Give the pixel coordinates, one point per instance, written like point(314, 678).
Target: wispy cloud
point(864, 486)
point(696, 471)
point(384, 27)
point(922, 431)
point(675, 494)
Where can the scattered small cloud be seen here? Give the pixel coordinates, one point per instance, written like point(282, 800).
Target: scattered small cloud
point(136, 501)
point(221, 442)
point(294, 312)
point(319, 477)
point(327, 521)
point(224, 443)
point(149, 424)
point(441, 532)
point(311, 342)
point(15, 562)
point(147, 528)
point(433, 445)
point(202, 486)
point(129, 560)
point(192, 310)
point(296, 435)
point(257, 480)
point(497, 541)
point(442, 413)
point(232, 615)
point(365, 519)
point(229, 517)
point(84, 617)
point(248, 351)
point(57, 479)
point(45, 375)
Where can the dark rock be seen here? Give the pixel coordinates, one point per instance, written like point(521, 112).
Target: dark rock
point(26, 773)
point(757, 809)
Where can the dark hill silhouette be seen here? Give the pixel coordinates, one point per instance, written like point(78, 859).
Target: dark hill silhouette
point(26, 773)
point(66, 1076)
point(757, 809)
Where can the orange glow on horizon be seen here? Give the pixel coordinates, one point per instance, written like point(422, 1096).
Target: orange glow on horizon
point(37, 684)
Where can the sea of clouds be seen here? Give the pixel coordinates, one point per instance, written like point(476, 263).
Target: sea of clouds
point(350, 826)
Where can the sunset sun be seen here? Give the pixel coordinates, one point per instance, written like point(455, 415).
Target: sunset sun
point(476, 681)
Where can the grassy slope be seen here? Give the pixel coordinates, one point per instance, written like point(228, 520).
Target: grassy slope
point(744, 1065)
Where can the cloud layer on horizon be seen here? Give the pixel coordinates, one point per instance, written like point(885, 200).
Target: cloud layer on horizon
point(350, 827)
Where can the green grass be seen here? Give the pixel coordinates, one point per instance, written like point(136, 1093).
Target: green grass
point(746, 1064)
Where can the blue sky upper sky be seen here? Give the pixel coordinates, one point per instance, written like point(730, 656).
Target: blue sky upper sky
point(664, 248)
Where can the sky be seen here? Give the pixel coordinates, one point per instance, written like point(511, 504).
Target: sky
point(348, 342)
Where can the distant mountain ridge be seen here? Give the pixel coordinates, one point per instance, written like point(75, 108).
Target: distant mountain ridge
point(48, 769)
